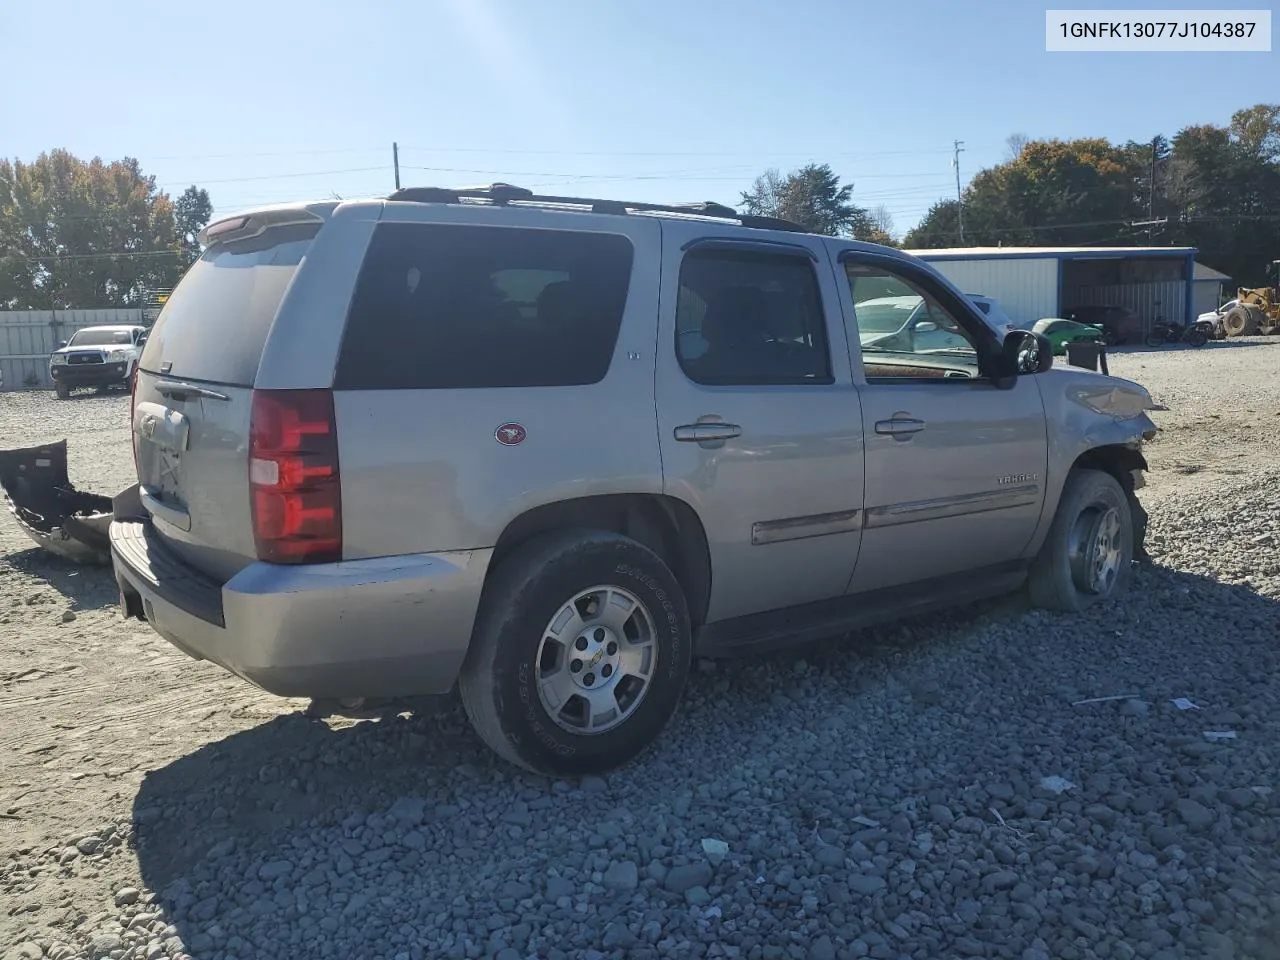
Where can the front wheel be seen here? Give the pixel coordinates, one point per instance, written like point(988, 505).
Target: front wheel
point(1196, 337)
point(62, 390)
point(579, 655)
point(1087, 555)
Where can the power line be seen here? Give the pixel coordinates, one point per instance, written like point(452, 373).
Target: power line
point(272, 176)
point(108, 255)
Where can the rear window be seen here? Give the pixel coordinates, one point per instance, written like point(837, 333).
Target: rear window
point(442, 306)
point(216, 322)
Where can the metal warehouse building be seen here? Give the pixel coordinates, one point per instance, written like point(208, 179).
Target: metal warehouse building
point(1036, 282)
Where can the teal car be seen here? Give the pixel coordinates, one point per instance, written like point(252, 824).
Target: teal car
point(1061, 332)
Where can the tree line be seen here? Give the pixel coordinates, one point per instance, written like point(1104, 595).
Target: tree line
point(1216, 188)
point(76, 233)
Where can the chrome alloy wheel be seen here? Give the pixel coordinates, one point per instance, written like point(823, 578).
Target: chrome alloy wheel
point(596, 660)
point(1094, 550)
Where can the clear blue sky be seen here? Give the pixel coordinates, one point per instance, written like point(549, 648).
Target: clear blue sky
point(667, 100)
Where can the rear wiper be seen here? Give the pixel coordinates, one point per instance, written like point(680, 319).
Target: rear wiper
point(177, 390)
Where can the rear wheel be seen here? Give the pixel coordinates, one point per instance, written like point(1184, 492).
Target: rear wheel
point(579, 655)
point(1155, 338)
point(1087, 556)
point(1197, 337)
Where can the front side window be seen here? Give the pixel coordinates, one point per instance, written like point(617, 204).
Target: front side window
point(903, 330)
point(444, 306)
point(748, 318)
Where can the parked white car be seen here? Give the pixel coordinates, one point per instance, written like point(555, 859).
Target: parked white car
point(96, 357)
point(1214, 317)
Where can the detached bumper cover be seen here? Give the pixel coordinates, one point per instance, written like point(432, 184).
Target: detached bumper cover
point(386, 627)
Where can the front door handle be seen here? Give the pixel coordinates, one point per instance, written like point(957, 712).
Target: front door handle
point(702, 432)
point(899, 426)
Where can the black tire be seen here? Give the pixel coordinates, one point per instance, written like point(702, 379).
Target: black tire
point(1155, 338)
point(1059, 573)
point(1109, 337)
point(498, 685)
point(1242, 321)
point(1196, 337)
point(62, 390)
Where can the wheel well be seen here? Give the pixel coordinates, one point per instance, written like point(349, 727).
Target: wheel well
point(1118, 460)
point(667, 526)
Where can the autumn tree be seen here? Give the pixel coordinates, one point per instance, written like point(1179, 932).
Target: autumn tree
point(1215, 188)
point(77, 233)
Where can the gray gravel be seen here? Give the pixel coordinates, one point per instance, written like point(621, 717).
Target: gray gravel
point(995, 782)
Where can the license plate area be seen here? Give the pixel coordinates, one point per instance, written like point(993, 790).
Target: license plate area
point(161, 435)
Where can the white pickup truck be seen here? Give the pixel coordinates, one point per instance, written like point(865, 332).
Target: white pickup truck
point(96, 357)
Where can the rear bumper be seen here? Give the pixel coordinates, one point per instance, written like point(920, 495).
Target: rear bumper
point(89, 374)
point(387, 627)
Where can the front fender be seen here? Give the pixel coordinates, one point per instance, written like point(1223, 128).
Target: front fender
point(1100, 420)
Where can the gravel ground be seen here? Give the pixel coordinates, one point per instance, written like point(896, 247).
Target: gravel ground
point(944, 788)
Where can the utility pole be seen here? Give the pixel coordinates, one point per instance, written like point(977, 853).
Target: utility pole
point(1151, 200)
point(395, 159)
point(955, 162)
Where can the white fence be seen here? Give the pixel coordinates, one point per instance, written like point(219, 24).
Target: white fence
point(27, 337)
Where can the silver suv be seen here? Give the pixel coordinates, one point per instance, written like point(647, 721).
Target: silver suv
point(548, 449)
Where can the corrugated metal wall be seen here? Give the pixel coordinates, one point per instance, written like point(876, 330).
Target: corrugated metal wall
point(1027, 289)
point(27, 337)
point(1205, 296)
point(1147, 300)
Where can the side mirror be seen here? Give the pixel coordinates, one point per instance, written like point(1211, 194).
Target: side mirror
point(61, 344)
point(1024, 352)
point(926, 326)
point(142, 340)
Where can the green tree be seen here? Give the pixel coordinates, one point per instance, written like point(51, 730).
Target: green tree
point(1256, 130)
point(1223, 189)
point(191, 212)
point(83, 234)
point(1054, 192)
point(940, 227)
point(813, 197)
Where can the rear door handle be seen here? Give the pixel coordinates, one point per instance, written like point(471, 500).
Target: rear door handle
point(899, 426)
point(702, 432)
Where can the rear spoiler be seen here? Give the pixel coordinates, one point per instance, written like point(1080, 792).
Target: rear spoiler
point(243, 226)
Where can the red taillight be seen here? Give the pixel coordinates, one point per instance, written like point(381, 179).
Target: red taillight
point(293, 477)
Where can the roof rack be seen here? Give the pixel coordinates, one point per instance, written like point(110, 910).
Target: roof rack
point(503, 194)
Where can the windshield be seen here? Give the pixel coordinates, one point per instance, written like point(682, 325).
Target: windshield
point(101, 338)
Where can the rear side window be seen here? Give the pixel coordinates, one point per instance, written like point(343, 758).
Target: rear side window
point(442, 306)
point(216, 322)
point(750, 319)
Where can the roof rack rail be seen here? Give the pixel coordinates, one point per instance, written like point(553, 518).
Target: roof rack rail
point(502, 194)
